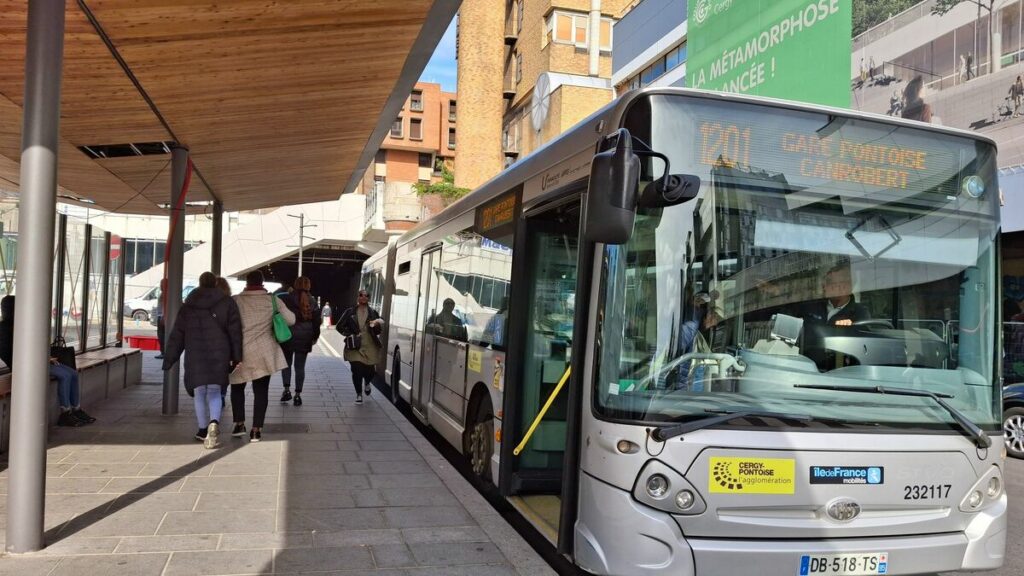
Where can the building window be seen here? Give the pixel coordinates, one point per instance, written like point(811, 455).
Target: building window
point(451, 138)
point(415, 129)
point(396, 128)
point(519, 68)
point(659, 67)
point(426, 160)
point(381, 157)
point(606, 34)
point(675, 57)
point(416, 101)
point(451, 110)
point(519, 17)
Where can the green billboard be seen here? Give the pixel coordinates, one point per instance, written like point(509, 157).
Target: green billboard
point(792, 49)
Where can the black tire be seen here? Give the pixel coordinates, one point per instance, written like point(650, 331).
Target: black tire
point(140, 315)
point(478, 442)
point(1013, 432)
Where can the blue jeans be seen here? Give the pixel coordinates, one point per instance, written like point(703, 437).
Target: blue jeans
point(67, 385)
point(209, 404)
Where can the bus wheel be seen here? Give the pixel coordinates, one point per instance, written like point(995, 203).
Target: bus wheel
point(480, 441)
point(396, 377)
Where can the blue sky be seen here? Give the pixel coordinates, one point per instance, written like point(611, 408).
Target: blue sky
point(441, 68)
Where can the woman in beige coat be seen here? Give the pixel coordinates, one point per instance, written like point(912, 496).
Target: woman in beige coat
point(261, 354)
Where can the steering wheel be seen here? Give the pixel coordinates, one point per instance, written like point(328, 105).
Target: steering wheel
point(874, 323)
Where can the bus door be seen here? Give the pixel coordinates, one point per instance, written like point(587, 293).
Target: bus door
point(423, 347)
point(547, 298)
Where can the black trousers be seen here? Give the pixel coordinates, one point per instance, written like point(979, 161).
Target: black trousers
point(160, 330)
point(361, 373)
point(296, 361)
point(260, 390)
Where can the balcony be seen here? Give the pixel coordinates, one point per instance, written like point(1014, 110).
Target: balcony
point(509, 90)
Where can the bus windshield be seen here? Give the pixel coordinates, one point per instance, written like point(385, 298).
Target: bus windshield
point(822, 250)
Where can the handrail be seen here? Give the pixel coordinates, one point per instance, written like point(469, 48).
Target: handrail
point(543, 411)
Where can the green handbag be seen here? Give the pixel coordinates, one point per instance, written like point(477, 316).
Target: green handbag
point(282, 333)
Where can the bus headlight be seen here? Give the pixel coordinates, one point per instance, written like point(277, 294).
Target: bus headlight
point(684, 499)
point(994, 488)
point(663, 488)
point(973, 186)
point(975, 499)
point(657, 486)
point(985, 492)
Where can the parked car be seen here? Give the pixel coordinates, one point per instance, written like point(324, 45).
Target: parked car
point(141, 308)
point(1013, 419)
point(236, 287)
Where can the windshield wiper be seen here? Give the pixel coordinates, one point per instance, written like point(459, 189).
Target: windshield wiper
point(981, 440)
point(662, 434)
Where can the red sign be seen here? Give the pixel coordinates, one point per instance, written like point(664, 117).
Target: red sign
point(115, 246)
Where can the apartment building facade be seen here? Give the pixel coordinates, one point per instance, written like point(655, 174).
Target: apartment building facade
point(420, 145)
point(535, 69)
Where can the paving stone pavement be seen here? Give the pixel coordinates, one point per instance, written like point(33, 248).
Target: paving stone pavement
point(336, 489)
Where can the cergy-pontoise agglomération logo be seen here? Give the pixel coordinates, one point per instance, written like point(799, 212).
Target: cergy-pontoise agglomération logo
point(752, 475)
point(706, 8)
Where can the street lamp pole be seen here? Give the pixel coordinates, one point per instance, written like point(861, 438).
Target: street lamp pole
point(302, 235)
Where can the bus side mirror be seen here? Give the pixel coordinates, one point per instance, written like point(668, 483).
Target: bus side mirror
point(612, 196)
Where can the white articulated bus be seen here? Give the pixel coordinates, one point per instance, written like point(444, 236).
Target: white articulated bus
point(718, 335)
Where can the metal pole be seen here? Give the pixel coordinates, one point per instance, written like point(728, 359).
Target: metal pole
point(217, 243)
point(105, 319)
point(83, 315)
point(44, 53)
point(175, 270)
point(302, 232)
point(121, 268)
point(62, 258)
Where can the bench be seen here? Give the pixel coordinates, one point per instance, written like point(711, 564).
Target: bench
point(101, 374)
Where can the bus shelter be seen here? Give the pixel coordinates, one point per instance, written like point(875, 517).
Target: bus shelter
point(169, 107)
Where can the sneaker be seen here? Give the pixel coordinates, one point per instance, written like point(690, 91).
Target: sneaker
point(68, 419)
point(255, 435)
point(239, 430)
point(298, 400)
point(159, 356)
point(367, 388)
point(286, 396)
point(201, 434)
point(81, 415)
point(359, 399)
point(210, 442)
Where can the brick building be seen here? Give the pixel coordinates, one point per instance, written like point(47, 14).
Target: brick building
point(421, 141)
point(528, 71)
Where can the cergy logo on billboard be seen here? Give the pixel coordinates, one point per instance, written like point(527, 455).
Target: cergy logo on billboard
point(706, 8)
point(772, 48)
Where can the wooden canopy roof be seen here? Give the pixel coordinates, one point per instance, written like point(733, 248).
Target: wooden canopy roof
point(279, 101)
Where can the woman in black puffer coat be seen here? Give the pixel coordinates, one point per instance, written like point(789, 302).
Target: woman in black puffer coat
point(208, 330)
point(305, 333)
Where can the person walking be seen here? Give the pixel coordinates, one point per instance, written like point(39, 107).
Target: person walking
point(361, 327)
point(160, 328)
point(68, 391)
point(223, 286)
point(305, 333)
point(208, 330)
point(261, 354)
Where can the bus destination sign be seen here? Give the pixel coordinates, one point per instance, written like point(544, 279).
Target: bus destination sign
point(497, 217)
point(862, 156)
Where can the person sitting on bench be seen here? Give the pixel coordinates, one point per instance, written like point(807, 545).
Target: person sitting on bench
point(71, 413)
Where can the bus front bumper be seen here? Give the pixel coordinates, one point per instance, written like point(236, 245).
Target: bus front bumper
point(617, 535)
